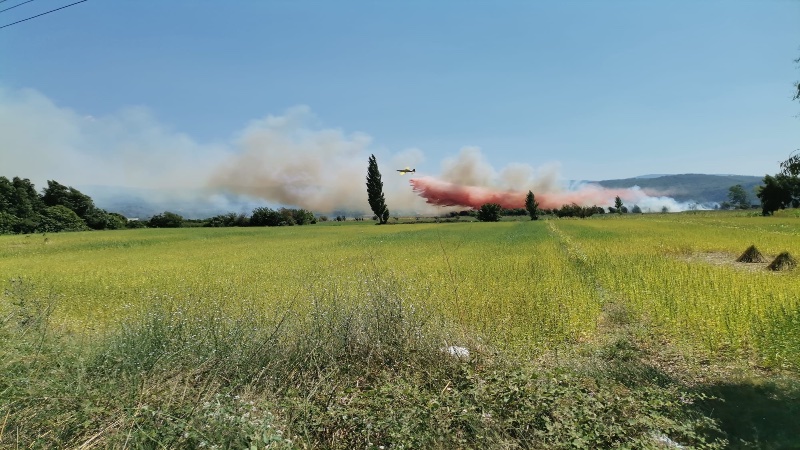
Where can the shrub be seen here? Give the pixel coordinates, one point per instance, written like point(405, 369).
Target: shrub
point(100, 219)
point(60, 218)
point(265, 217)
point(8, 223)
point(489, 212)
point(165, 220)
point(135, 224)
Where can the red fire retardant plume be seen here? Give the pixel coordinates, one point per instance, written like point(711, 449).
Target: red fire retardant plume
point(443, 193)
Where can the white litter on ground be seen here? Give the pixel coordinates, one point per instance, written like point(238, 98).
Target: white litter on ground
point(458, 352)
point(666, 441)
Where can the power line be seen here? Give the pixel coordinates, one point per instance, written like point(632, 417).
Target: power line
point(48, 12)
point(15, 5)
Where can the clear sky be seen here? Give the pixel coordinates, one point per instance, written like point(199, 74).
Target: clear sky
point(604, 89)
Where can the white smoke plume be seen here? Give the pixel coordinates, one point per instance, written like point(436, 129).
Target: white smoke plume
point(276, 161)
point(42, 141)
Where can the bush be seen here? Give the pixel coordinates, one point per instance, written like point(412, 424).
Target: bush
point(575, 210)
point(489, 212)
point(283, 217)
point(287, 217)
point(8, 223)
point(100, 219)
point(230, 220)
point(60, 218)
point(165, 220)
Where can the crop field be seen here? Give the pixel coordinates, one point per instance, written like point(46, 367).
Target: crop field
point(514, 283)
point(520, 288)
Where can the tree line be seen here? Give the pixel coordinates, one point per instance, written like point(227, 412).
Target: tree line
point(57, 208)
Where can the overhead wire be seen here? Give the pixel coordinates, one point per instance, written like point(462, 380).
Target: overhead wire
point(15, 5)
point(39, 15)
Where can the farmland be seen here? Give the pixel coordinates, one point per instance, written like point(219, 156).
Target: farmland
point(549, 295)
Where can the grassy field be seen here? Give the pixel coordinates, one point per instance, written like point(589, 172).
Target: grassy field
point(331, 335)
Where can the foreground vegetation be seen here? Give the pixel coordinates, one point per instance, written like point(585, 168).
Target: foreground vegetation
point(624, 331)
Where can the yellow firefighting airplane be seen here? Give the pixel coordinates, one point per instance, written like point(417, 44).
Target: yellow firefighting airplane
point(406, 170)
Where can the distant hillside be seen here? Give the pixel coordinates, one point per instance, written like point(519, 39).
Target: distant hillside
point(700, 188)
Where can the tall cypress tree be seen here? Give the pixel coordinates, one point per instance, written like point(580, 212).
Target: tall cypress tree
point(532, 205)
point(618, 204)
point(375, 191)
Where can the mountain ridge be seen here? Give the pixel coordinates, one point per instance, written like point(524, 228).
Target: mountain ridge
point(697, 187)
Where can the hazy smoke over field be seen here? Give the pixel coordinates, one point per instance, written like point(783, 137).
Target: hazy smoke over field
point(276, 161)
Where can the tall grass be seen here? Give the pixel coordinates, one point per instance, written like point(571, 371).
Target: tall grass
point(364, 372)
point(517, 284)
point(655, 266)
point(332, 336)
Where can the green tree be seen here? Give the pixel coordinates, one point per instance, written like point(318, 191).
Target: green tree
point(265, 217)
point(60, 218)
point(8, 223)
point(783, 189)
point(25, 202)
point(165, 220)
point(489, 212)
point(778, 192)
point(135, 223)
point(375, 191)
point(6, 195)
point(223, 220)
point(791, 167)
point(532, 206)
point(618, 205)
point(738, 197)
point(636, 209)
point(100, 219)
point(304, 217)
point(57, 194)
point(117, 221)
point(287, 216)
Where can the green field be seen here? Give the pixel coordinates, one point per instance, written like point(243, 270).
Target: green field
point(549, 295)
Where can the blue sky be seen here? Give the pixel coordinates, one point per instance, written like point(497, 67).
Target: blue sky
point(610, 89)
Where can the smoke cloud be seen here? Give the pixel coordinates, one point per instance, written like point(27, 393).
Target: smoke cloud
point(470, 181)
point(42, 141)
point(283, 160)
